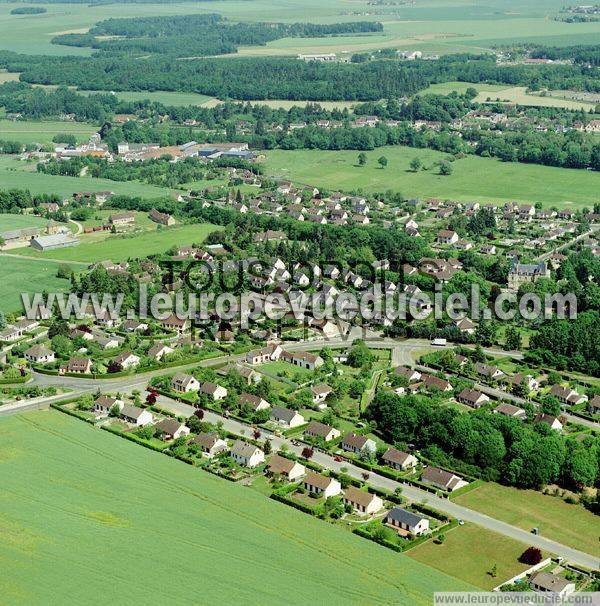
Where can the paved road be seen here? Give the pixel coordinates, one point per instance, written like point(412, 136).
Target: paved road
point(414, 494)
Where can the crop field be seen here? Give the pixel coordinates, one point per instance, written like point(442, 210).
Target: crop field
point(18, 275)
point(469, 553)
point(473, 178)
point(16, 174)
point(568, 524)
point(118, 247)
point(86, 510)
point(32, 131)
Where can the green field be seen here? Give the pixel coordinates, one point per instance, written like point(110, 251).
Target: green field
point(42, 132)
point(27, 276)
point(469, 553)
point(119, 247)
point(18, 174)
point(514, 94)
point(161, 96)
point(473, 178)
point(94, 515)
point(571, 525)
point(9, 222)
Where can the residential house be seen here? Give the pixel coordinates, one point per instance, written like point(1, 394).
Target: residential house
point(161, 218)
point(472, 398)
point(175, 323)
point(549, 420)
point(446, 236)
point(286, 417)
point(104, 404)
point(280, 466)
point(321, 485)
point(213, 391)
point(159, 350)
point(362, 501)
point(320, 392)
point(210, 444)
point(403, 520)
point(409, 374)
point(358, 444)
point(184, 383)
point(594, 405)
point(465, 326)
point(488, 372)
point(315, 429)
point(246, 454)
point(136, 415)
point(546, 582)
point(398, 459)
point(304, 359)
point(39, 354)
point(510, 410)
point(566, 395)
point(256, 403)
point(172, 429)
point(77, 366)
point(442, 479)
point(431, 382)
point(127, 360)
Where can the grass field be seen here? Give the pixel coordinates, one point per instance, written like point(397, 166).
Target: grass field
point(161, 96)
point(96, 515)
point(9, 222)
point(31, 131)
point(568, 524)
point(469, 553)
point(27, 276)
point(515, 94)
point(119, 247)
point(473, 178)
point(15, 173)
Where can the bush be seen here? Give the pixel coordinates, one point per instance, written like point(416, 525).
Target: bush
point(531, 556)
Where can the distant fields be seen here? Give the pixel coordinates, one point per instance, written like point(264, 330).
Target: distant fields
point(32, 131)
point(473, 178)
point(92, 514)
point(469, 553)
point(26, 275)
point(119, 247)
point(17, 174)
point(571, 525)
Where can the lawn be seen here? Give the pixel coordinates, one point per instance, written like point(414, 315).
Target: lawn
point(571, 525)
point(27, 276)
point(16, 174)
point(469, 553)
point(119, 247)
point(81, 507)
point(33, 131)
point(473, 178)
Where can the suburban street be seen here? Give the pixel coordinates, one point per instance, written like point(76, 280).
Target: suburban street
point(403, 352)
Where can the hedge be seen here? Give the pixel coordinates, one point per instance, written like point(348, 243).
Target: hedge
point(295, 504)
point(361, 532)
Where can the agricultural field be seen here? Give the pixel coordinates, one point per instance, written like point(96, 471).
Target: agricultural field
point(42, 132)
point(17, 174)
point(571, 525)
point(473, 178)
point(469, 552)
point(117, 247)
point(18, 275)
point(243, 545)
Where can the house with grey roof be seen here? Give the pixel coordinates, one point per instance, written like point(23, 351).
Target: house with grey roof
point(406, 521)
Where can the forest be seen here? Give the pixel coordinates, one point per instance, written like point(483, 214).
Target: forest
point(247, 78)
point(490, 446)
point(199, 35)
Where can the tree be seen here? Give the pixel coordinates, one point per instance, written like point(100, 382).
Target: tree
point(2, 320)
point(446, 168)
point(267, 448)
point(307, 452)
point(531, 556)
point(362, 159)
point(415, 164)
point(382, 161)
point(513, 341)
point(494, 571)
point(440, 538)
point(64, 271)
point(151, 398)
